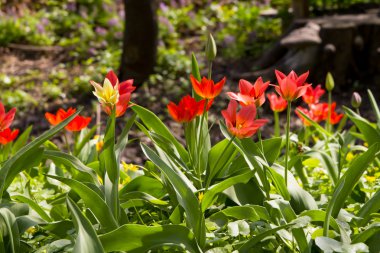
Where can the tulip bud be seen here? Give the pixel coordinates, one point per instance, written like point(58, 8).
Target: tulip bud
point(210, 48)
point(356, 100)
point(329, 82)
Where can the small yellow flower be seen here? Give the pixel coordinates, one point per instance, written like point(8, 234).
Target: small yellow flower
point(31, 230)
point(370, 179)
point(131, 167)
point(200, 196)
point(350, 156)
point(365, 144)
point(99, 144)
point(108, 94)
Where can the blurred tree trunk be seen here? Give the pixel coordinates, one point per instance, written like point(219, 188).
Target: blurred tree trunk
point(300, 8)
point(140, 40)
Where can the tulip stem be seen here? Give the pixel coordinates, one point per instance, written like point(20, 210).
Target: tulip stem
point(276, 125)
point(329, 113)
point(287, 140)
point(200, 147)
point(209, 70)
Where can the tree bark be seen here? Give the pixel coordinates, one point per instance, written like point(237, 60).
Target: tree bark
point(140, 40)
point(300, 8)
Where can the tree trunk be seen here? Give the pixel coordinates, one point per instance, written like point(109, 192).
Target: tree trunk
point(300, 8)
point(140, 40)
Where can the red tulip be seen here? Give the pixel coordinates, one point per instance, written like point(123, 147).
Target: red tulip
point(77, 124)
point(206, 88)
point(119, 100)
point(250, 94)
point(7, 135)
point(277, 103)
point(242, 124)
point(312, 96)
point(335, 117)
point(291, 86)
point(312, 114)
point(187, 109)
point(6, 118)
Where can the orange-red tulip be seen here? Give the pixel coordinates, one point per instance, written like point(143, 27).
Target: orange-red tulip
point(114, 94)
point(242, 124)
point(277, 103)
point(77, 124)
point(6, 118)
point(206, 88)
point(312, 114)
point(291, 86)
point(8, 135)
point(250, 94)
point(312, 96)
point(319, 112)
point(324, 109)
point(187, 109)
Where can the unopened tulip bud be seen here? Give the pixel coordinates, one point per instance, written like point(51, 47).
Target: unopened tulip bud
point(329, 82)
point(210, 48)
point(356, 100)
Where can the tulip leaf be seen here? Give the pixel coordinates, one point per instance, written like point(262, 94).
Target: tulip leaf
point(370, 133)
point(9, 231)
point(30, 152)
point(38, 209)
point(22, 140)
point(326, 161)
point(71, 161)
point(123, 137)
point(185, 195)
point(153, 123)
point(93, 201)
point(135, 238)
point(348, 181)
point(375, 107)
point(87, 240)
point(210, 195)
point(371, 206)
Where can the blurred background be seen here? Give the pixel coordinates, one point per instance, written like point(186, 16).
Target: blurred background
point(50, 49)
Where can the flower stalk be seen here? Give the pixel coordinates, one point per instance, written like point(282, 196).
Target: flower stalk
point(287, 141)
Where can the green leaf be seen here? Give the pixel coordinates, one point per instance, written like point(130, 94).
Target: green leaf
point(87, 240)
point(108, 163)
point(369, 231)
point(86, 138)
point(371, 135)
point(9, 232)
point(272, 148)
point(314, 124)
point(375, 107)
point(30, 152)
point(371, 206)
point(21, 140)
point(153, 123)
point(135, 238)
point(222, 153)
point(34, 206)
point(93, 201)
point(211, 194)
point(144, 184)
point(123, 137)
point(348, 181)
point(71, 161)
point(185, 195)
point(329, 245)
point(326, 161)
point(143, 196)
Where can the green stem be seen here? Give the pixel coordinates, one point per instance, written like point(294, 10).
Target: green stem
point(199, 170)
point(358, 111)
point(209, 70)
point(329, 113)
point(276, 124)
point(287, 141)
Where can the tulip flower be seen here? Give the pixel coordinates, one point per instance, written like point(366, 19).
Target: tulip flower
point(250, 94)
point(8, 135)
point(291, 86)
point(206, 88)
point(242, 124)
point(6, 118)
point(312, 96)
point(277, 103)
point(114, 94)
point(77, 124)
point(310, 113)
point(187, 109)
